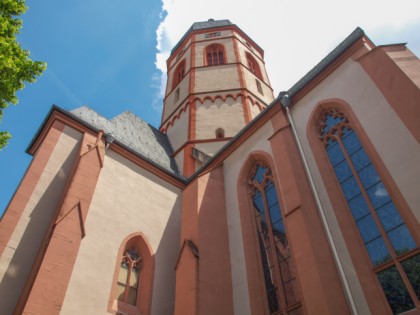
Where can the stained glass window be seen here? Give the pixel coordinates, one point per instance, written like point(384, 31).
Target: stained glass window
point(129, 276)
point(278, 268)
point(382, 230)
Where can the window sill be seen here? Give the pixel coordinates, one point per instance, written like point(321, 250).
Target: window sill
point(122, 308)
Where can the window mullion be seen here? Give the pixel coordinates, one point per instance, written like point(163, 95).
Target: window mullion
point(380, 227)
point(127, 282)
point(278, 278)
point(407, 283)
point(367, 199)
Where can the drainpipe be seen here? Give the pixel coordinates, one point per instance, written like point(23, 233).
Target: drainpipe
point(285, 101)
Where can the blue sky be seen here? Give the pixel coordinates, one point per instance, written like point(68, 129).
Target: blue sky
point(110, 55)
point(99, 53)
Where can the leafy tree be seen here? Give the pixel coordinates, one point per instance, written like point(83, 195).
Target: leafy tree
point(15, 66)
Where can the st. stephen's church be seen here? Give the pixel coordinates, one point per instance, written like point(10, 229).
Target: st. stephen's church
point(241, 203)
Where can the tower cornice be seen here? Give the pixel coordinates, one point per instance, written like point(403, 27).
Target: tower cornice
point(210, 26)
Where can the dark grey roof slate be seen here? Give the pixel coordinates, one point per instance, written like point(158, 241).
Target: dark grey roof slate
point(209, 24)
point(134, 133)
point(200, 26)
point(341, 48)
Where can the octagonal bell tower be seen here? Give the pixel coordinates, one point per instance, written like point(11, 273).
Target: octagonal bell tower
point(217, 83)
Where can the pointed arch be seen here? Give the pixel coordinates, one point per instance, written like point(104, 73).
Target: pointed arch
point(380, 232)
point(215, 55)
point(132, 284)
point(253, 65)
point(179, 74)
point(270, 267)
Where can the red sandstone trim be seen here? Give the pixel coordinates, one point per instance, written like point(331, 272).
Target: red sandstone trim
point(395, 83)
point(191, 98)
point(238, 62)
point(200, 141)
point(66, 234)
point(192, 66)
point(189, 161)
point(246, 110)
point(313, 259)
point(27, 186)
point(214, 262)
point(57, 116)
point(186, 297)
point(192, 121)
point(232, 28)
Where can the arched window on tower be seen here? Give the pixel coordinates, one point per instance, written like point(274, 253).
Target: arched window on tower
point(253, 65)
point(278, 267)
point(178, 74)
point(393, 252)
point(219, 133)
point(215, 55)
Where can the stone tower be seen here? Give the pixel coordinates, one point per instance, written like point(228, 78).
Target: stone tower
point(217, 83)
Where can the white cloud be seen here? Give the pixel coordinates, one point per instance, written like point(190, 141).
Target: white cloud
point(380, 192)
point(295, 35)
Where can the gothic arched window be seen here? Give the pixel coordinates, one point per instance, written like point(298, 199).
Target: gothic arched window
point(129, 276)
point(178, 74)
point(215, 55)
point(253, 65)
point(278, 267)
point(393, 252)
point(133, 277)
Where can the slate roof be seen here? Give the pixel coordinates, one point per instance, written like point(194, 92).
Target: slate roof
point(210, 23)
point(133, 133)
point(200, 26)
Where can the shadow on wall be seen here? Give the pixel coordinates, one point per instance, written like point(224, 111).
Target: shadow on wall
point(23, 258)
point(165, 259)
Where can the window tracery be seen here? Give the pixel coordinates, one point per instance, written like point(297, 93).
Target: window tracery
point(178, 74)
point(278, 268)
point(390, 246)
point(215, 55)
point(129, 276)
point(253, 66)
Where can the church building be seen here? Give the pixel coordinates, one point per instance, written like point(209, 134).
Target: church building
point(241, 203)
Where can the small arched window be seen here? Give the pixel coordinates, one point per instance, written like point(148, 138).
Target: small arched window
point(215, 55)
point(220, 133)
point(129, 276)
point(390, 246)
point(278, 267)
point(178, 74)
point(133, 277)
point(253, 65)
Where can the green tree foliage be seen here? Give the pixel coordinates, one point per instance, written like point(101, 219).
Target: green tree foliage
point(15, 66)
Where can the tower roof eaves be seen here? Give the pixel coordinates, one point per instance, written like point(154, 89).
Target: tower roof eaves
point(211, 23)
